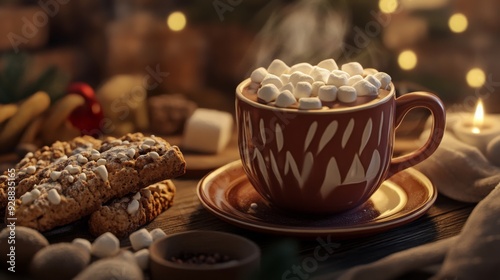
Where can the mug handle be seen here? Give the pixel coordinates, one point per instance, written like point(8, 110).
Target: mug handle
point(406, 103)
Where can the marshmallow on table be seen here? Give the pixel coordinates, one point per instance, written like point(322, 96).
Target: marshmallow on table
point(106, 245)
point(353, 68)
point(346, 94)
point(303, 67)
point(365, 88)
point(142, 258)
point(268, 92)
point(337, 80)
point(374, 81)
point(285, 78)
point(277, 67)
point(315, 87)
point(208, 131)
point(310, 103)
point(157, 233)
point(273, 80)
point(288, 86)
point(384, 79)
point(320, 74)
point(354, 79)
point(285, 99)
point(140, 239)
point(303, 89)
point(327, 93)
point(328, 64)
point(258, 75)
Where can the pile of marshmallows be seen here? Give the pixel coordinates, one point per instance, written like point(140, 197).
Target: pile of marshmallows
point(311, 86)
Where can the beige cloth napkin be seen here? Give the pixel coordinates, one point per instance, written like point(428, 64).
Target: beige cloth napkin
point(463, 173)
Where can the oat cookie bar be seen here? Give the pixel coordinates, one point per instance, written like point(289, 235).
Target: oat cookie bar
point(79, 185)
point(122, 216)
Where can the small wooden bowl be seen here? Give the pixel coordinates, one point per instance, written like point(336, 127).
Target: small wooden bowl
point(245, 252)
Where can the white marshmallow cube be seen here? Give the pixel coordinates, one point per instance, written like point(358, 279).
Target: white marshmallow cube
point(106, 245)
point(328, 64)
point(157, 233)
point(303, 89)
point(303, 67)
point(354, 79)
point(340, 72)
point(369, 71)
point(268, 93)
point(384, 78)
point(306, 78)
point(273, 80)
point(285, 78)
point(374, 81)
point(353, 68)
point(278, 67)
point(310, 103)
point(327, 93)
point(295, 77)
point(315, 87)
point(142, 258)
point(258, 75)
point(365, 88)
point(285, 99)
point(320, 74)
point(288, 87)
point(208, 131)
point(337, 80)
point(83, 243)
point(346, 94)
point(140, 239)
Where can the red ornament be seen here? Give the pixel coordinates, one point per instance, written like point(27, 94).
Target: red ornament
point(88, 117)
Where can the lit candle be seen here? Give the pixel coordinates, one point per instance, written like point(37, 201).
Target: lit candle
point(479, 129)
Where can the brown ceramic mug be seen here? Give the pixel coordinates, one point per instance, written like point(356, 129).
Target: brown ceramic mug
point(332, 160)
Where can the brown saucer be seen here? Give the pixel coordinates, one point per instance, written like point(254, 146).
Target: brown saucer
point(227, 193)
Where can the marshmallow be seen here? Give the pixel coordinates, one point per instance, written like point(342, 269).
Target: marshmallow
point(340, 72)
point(303, 89)
point(369, 71)
point(82, 177)
point(102, 172)
point(346, 94)
point(384, 79)
point(95, 154)
point(142, 258)
point(137, 196)
point(327, 93)
point(71, 179)
point(35, 193)
point(131, 153)
point(54, 197)
point(73, 169)
point(101, 161)
point(288, 87)
point(27, 198)
point(81, 159)
point(30, 170)
point(277, 67)
point(337, 80)
point(315, 87)
point(140, 239)
point(154, 155)
point(157, 233)
point(258, 75)
point(374, 81)
point(353, 68)
point(268, 93)
point(365, 88)
point(310, 103)
point(214, 127)
point(150, 141)
point(271, 79)
point(303, 67)
point(54, 175)
point(354, 79)
point(306, 78)
point(285, 78)
point(252, 86)
point(285, 99)
point(106, 245)
point(328, 64)
point(83, 243)
point(133, 207)
point(320, 74)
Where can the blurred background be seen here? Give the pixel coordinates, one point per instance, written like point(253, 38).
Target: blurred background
point(144, 65)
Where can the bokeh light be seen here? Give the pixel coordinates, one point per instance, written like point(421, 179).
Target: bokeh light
point(388, 6)
point(475, 77)
point(458, 23)
point(407, 60)
point(176, 21)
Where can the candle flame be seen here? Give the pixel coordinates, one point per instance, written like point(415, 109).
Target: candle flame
point(477, 123)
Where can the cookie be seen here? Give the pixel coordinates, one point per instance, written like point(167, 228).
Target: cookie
point(34, 164)
point(79, 185)
point(124, 215)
